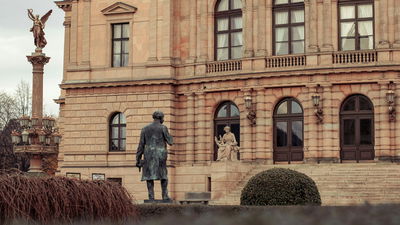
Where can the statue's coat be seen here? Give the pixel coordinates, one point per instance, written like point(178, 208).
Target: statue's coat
point(152, 145)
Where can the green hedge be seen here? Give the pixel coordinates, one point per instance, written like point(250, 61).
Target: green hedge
point(280, 186)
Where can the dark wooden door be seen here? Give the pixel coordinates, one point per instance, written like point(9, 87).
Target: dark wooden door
point(357, 129)
point(288, 131)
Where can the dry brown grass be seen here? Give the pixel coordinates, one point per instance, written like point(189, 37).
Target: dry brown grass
point(49, 199)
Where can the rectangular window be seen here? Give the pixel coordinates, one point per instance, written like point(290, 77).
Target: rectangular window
point(115, 180)
point(289, 33)
point(120, 44)
point(356, 25)
point(98, 176)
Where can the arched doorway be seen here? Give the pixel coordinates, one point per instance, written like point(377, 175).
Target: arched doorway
point(288, 131)
point(357, 129)
point(227, 114)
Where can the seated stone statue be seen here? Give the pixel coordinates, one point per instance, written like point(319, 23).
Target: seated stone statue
point(227, 146)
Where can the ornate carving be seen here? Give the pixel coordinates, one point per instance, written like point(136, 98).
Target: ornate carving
point(38, 59)
point(227, 146)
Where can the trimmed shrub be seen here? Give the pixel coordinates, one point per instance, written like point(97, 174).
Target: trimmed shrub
point(280, 186)
point(49, 199)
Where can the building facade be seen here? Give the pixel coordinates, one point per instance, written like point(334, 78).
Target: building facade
point(303, 84)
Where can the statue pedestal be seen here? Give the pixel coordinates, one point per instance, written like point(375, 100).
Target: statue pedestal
point(158, 201)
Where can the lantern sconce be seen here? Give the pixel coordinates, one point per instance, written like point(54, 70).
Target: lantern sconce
point(251, 115)
point(390, 97)
point(316, 99)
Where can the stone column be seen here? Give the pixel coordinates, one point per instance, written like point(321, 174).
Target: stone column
point(311, 11)
point(268, 27)
point(327, 25)
point(190, 126)
point(86, 33)
point(165, 29)
point(260, 134)
point(248, 28)
point(67, 41)
point(153, 32)
point(74, 34)
point(193, 30)
point(245, 150)
point(261, 34)
point(311, 136)
point(200, 127)
point(38, 60)
point(397, 24)
point(202, 41)
point(382, 21)
point(328, 153)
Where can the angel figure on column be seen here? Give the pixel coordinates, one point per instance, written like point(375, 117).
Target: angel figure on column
point(38, 28)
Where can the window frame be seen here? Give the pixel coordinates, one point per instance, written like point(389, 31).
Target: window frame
point(289, 118)
point(356, 20)
point(120, 138)
point(230, 13)
point(288, 7)
point(122, 39)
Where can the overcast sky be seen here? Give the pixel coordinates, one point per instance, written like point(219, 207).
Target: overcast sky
point(16, 42)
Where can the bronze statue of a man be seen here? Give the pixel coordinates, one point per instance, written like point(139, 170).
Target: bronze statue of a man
point(153, 146)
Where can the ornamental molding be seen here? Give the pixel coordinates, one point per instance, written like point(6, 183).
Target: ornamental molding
point(65, 5)
point(119, 8)
point(38, 59)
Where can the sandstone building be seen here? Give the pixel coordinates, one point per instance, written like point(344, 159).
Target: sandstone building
point(304, 84)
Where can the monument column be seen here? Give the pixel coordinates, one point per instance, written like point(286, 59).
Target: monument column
point(38, 60)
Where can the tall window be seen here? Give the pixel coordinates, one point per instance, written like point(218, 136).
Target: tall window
point(288, 23)
point(227, 114)
point(118, 132)
point(228, 30)
point(357, 129)
point(120, 44)
point(288, 131)
point(356, 24)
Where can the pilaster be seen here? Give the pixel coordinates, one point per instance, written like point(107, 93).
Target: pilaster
point(248, 28)
point(190, 123)
point(311, 11)
point(261, 34)
point(85, 61)
point(381, 7)
point(327, 26)
point(153, 31)
point(260, 134)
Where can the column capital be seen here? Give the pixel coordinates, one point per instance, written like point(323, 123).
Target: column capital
point(38, 59)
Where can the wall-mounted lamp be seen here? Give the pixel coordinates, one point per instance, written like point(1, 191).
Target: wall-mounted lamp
point(316, 99)
point(390, 97)
point(251, 115)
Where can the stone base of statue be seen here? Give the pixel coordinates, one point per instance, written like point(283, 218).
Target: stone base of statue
point(155, 201)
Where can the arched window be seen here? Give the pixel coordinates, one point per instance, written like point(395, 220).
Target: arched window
point(118, 132)
point(288, 131)
point(227, 114)
point(357, 129)
point(288, 23)
point(228, 30)
point(356, 24)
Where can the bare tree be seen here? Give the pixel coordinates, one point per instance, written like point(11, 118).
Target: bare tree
point(8, 109)
point(23, 99)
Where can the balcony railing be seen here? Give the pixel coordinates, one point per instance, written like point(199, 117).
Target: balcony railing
point(355, 57)
point(285, 61)
point(224, 66)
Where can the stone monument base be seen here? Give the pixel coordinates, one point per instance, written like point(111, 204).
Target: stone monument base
point(158, 201)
